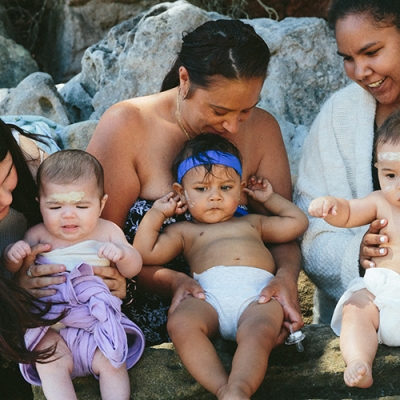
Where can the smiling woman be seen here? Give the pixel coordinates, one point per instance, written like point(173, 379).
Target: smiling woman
point(337, 158)
point(213, 86)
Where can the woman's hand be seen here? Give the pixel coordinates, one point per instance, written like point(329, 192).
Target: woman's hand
point(370, 244)
point(35, 278)
point(184, 287)
point(285, 291)
point(113, 279)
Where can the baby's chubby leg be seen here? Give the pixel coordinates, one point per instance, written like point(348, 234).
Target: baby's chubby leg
point(56, 372)
point(190, 326)
point(358, 338)
point(258, 329)
point(114, 382)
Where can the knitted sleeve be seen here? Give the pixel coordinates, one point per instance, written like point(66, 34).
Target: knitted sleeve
point(336, 161)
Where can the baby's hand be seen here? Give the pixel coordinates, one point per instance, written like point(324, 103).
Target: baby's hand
point(111, 251)
point(259, 189)
point(322, 206)
point(170, 205)
point(18, 251)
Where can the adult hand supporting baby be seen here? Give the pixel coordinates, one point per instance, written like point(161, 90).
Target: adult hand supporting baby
point(185, 287)
point(113, 279)
point(370, 244)
point(39, 275)
point(283, 287)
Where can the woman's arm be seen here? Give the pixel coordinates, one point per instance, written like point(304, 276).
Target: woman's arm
point(274, 166)
point(113, 144)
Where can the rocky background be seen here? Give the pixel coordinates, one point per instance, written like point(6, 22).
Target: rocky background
point(66, 61)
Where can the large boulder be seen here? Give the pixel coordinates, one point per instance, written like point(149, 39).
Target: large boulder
point(316, 373)
point(71, 26)
point(35, 95)
point(16, 63)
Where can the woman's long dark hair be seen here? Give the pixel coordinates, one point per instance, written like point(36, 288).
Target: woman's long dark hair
point(25, 193)
point(382, 12)
point(229, 48)
point(19, 310)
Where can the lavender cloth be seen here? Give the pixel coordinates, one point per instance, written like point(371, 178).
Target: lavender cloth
point(94, 321)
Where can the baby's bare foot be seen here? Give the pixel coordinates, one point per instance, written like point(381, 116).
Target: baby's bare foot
point(359, 374)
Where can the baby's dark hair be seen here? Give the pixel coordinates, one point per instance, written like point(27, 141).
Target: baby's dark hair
point(69, 166)
point(388, 132)
point(382, 13)
point(197, 148)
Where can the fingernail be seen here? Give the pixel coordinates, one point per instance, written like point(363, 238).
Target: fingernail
point(261, 299)
point(371, 265)
point(382, 239)
point(382, 251)
point(382, 221)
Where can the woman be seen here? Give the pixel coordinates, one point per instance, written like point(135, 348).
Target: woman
point(214, 86)
point(337, 156)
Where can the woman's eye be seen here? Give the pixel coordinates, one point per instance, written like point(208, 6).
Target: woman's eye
point(390, 176)
point(55, 208)
point(81, 207)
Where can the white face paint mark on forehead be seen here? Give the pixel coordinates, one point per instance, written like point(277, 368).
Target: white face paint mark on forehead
point(71, 197)
point(389, 156)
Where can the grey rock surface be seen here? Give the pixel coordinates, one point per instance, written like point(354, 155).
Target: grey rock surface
point(36, 95)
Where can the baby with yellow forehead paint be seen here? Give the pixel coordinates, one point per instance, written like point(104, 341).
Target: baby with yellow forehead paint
point(368, 313)
point(94, 337)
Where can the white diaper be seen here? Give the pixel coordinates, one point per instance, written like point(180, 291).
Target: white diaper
point(230, 290)
point(384, 284)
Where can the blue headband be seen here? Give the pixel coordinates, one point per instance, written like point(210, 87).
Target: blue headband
point(209, 157)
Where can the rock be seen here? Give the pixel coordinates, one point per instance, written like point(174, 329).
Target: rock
point(77, 136)
point(71, 26)
point(316, 373)
point(36, 95)
point(16, 63)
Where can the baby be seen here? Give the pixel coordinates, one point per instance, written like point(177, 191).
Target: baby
point(94, 336)
point(368, 312)
point(227, 257)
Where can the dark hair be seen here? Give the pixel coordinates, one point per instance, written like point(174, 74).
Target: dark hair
point(19, 310)
point(24, 194)
point(229, 48)
point(389, 131)
point(199, 145)
point(68, 166)
point(381, 12)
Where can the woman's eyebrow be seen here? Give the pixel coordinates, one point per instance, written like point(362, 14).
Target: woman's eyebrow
point(228, 109)
point(361, 50)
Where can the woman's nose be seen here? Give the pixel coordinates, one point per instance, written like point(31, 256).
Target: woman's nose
point(361, 70)
point(231, 124)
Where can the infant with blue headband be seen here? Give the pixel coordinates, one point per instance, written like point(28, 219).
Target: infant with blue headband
point(227, 257)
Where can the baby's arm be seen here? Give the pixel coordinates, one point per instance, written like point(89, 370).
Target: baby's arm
point(156, 248)
point(287, 222)
point(344, 213)
point(118, 250)
point(14, 255)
